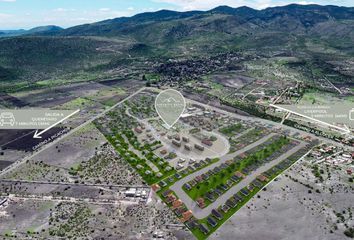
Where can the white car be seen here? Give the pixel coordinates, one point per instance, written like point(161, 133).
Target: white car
point(351, 114)
point(191, 161)
point(179, 166)
point(181, 160)
point(7, 118)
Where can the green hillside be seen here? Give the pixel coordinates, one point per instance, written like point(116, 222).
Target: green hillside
point(311, 32)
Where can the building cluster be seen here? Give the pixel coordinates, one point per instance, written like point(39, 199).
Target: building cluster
point(137, 193)
point(334, 156)
point(148, 137)
point(184, 142)
point(177, 206)
point(206, 120)
point(177, 70)
point(216, 192)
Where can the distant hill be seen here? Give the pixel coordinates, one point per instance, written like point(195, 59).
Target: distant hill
point(9, 33)
point(299, 18)
point(224, 28)
point(306, 31)
point(45, 30)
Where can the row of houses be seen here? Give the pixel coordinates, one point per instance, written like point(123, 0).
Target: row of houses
point(205, 176)
point(177, 206)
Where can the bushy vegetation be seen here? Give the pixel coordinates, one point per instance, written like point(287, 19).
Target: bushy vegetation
point(231, 130)
point(32, 59)
point(349, 232)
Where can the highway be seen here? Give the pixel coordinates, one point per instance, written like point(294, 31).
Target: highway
point(223, 158)
point(251, 119)
point(95, 201)
point(277, 124)
point(72, 184)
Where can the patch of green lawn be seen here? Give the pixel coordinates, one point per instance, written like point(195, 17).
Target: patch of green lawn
point(224, 175)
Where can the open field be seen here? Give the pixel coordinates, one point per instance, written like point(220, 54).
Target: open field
point(56, 219)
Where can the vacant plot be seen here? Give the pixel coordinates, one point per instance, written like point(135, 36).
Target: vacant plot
point(232, 80)
point(9, 101)
point(24, 219)
point(57, 159)
point(45, 98)
point(23, 140)
point(74, 149)
point(108, 96)
point(6, 136)
point(106, 167)
point(4, 164)
point(319, 98)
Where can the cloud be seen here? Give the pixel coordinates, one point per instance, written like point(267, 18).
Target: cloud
point(187, 5)
point(5, 15)
point(305, 3)
point(7, 0)
point(64, 17)
point(63, 10)
point(261, 4)
point(104, 9)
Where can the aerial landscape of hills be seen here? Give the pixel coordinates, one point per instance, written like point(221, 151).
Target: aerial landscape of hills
point(262, 148)
point(90, 51)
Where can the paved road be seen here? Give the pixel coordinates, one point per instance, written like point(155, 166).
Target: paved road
point(234, 154)
point(177, 187)
point(23, 160)
point(252, 119)
point(95, 201)
point(202, 213)
point(72, 184)
point(278, 124)
point(168, 145)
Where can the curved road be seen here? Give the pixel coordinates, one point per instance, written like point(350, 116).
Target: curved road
point(200, 213)
point(190, 203)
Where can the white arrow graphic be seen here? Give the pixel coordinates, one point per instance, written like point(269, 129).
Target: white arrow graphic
point(38, 134)
point(343, 130)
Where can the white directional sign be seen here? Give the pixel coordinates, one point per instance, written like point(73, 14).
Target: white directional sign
point(33, 119)
point(337, 116)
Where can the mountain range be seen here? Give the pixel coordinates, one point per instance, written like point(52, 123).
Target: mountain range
point(51, 52)
point(294, 18)
point(50, 29)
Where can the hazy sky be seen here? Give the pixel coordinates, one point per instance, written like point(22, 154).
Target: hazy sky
point(15, 14)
